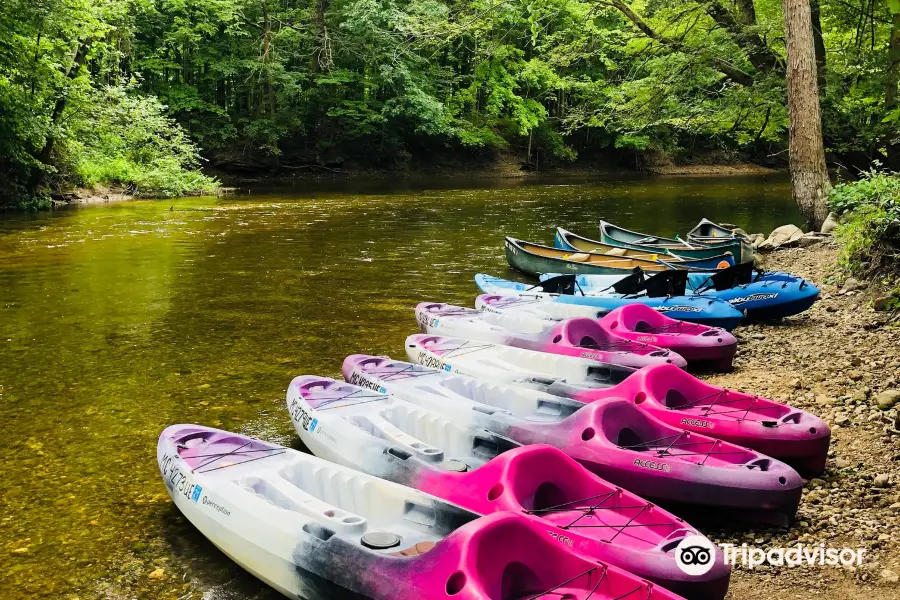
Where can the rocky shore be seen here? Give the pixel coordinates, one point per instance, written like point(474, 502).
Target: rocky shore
point(840, 360)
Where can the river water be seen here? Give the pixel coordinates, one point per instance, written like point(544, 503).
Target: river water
point(120, 319)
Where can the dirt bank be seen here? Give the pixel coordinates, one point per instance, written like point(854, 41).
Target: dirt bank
point(836, 360)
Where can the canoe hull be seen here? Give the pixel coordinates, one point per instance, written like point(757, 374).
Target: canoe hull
point(566, 240)
point(618, 236)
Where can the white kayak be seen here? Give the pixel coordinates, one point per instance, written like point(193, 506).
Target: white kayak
point(307, 527)
point(314, 530)
point(582, 337)
point(555, 374)
point(544, 309)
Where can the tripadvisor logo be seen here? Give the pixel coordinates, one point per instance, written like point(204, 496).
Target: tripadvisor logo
point(695, 555)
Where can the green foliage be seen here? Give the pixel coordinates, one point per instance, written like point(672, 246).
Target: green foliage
point(271, 85)
point(870, 235)
point(127, 139)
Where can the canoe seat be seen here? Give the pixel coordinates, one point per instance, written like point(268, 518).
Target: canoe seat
point(579, 257)
point(616, 252)
point(416, 550)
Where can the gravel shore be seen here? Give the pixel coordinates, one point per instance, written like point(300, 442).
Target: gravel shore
point(841, 361)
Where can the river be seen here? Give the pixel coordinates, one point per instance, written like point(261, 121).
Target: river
point(120, 319)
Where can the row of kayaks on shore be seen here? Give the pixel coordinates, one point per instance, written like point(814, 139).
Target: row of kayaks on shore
point(526, 447)
point(516, 454)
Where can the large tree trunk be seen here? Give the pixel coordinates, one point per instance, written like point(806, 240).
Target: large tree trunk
point(818, 42)
point(43, 156)
point(891, 99)
point(809, 174)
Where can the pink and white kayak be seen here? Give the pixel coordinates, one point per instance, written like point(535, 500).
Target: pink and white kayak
point(794, 436)
point(580, 337)
point(615, 439)
point(695, 342)
point(556, 374)
point(389, 437)
point(637, 322)
point(314, 529)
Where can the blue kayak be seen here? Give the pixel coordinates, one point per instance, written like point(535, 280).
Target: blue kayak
point(765, 296)
point(697, 309)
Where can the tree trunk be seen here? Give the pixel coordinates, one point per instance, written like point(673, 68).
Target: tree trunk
point(892, 78)
point(43, 157)
point(809, 175)
point(322, 55)
point(818, 42)
point(746, 12)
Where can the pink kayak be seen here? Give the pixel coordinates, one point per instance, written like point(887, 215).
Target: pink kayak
point(385, 436)
point(314, 529)
point(615, 439)
point(597, 518)
point(580, 337)
point(695, 342)
point(797, 437)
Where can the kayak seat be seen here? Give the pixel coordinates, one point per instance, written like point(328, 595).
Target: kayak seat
point(580, 257)
point(616, 252)
point(643, 327)
point(629, 438)
point(675, 399)
point(415, 550)
point(380, 426)
point(286, 493)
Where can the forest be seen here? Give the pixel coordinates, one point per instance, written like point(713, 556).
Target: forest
point(151, 94)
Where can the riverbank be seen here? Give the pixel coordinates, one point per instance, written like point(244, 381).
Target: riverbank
point(500, 167)
point(838, 360)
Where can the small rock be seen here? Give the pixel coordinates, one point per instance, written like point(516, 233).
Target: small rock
point(842, 463)
point(786, 235)
point(851, 284)
point(830, 223)
point(855, 375)
point(809, 239)
point(157, 574)
point(842, 420)
point(887, 399)
point(882, 480)
point(881, 303)
point(889, 576)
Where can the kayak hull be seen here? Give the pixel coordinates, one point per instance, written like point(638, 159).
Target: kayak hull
point(697, 343)
point(582, 338)
point(615, 439)
point(781, 431)
point(706, 310)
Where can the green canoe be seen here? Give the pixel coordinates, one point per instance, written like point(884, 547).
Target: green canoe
point(625, 238)
point(712, 234)
point(535, 259)
point(566, 240)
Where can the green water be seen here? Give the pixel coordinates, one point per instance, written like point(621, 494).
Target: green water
point(118, 320)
